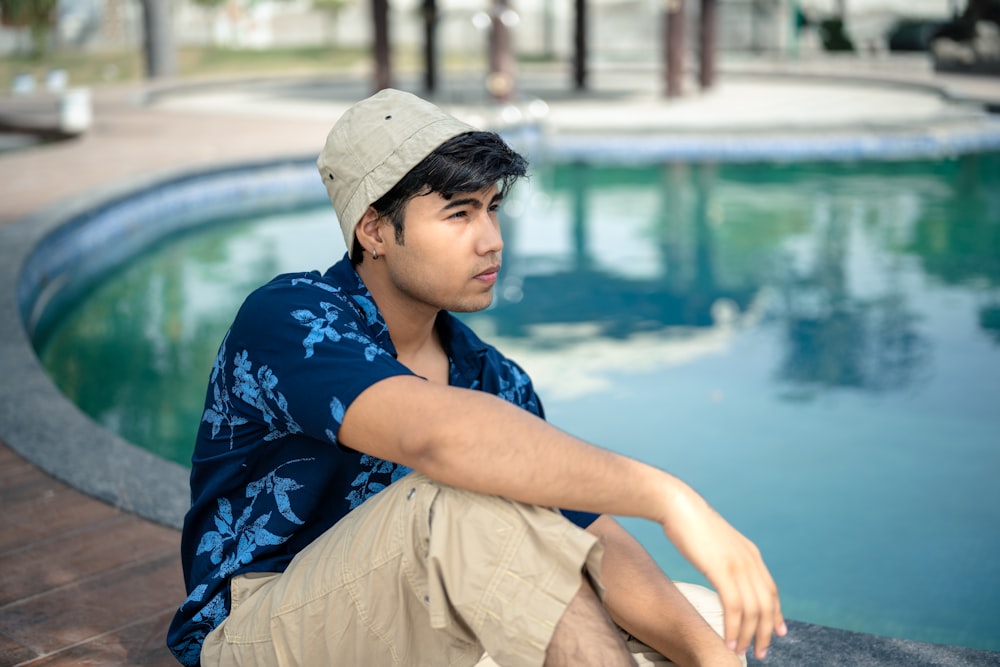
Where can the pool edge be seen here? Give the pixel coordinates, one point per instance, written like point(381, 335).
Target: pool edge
point(36, 419)
point(38, 422)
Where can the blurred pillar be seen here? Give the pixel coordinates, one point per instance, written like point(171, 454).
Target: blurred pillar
point(674, 47)
point(706, 43)
point(500, 82)
point(383, 68)
point(580, 45)
point(157, 38)
point(430, 46)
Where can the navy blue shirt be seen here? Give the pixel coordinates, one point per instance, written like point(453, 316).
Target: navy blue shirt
point(268, 475)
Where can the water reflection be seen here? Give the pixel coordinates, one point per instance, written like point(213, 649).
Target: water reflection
point(958, 238)
point(836, 338)
point(671, 256)
point(648, 256)
point(831, 247)
point(135, 353)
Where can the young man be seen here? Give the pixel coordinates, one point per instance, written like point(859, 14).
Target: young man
point(373, 485)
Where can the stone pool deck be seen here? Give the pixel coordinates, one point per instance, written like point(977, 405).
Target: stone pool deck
point(83, 582)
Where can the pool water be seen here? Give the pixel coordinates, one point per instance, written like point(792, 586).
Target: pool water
point(814, 347)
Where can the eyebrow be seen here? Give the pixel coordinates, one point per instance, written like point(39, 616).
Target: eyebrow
point(471, 201)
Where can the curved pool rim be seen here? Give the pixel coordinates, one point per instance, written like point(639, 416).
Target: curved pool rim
point(41, 424)
point(41, 258)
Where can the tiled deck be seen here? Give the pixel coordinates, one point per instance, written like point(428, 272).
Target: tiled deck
point(80, 581)
point(84, 583)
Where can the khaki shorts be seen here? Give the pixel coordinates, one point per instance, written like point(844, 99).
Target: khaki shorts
point(420, 574)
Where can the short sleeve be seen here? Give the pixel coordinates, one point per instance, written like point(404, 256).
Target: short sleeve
point(315, 354)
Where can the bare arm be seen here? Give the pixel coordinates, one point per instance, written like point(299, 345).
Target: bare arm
point(476, 441)
point(644, 601)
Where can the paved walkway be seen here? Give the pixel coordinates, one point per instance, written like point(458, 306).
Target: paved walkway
point(83, 582)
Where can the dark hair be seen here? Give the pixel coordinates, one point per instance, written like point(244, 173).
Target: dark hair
point(468, 162)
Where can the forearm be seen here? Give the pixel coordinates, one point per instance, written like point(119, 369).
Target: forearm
point(478, 442)
point(642, 600)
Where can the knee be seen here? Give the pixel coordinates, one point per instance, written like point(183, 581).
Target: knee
point(706, 602)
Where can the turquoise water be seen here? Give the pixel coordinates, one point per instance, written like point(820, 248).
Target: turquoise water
point(814, 347)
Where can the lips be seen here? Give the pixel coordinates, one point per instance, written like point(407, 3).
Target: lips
point(493, 269)
point(490, 274)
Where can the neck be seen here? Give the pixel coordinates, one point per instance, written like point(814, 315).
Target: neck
point(411, 325)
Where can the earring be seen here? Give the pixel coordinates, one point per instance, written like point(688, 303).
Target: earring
point(374, 254)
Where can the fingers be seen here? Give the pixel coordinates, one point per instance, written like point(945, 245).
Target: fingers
point(781, 629)
point(733, 566)
point(762, 639)
point(753, 624)
point(751, 606)
point(732, 617)
point(742, 618)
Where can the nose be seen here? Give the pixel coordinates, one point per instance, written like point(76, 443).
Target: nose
point(491, 237)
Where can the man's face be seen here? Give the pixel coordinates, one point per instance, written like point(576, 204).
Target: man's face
point(450, 258)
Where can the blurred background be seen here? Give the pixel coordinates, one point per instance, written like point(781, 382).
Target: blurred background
point(53, 43)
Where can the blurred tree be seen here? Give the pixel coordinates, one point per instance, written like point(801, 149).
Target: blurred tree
point(37, 15)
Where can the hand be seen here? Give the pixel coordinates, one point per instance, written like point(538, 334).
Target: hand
point(733, 566)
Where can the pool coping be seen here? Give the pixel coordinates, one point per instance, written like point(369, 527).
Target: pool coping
point(38, 422)
point(36, 419)
point(41, 424)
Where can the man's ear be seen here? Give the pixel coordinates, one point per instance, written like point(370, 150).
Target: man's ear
point(369, 230)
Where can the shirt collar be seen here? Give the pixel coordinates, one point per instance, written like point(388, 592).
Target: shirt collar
point(465, 349)
point(343, 274)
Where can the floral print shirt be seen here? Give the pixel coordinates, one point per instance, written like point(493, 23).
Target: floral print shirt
point(268, 476)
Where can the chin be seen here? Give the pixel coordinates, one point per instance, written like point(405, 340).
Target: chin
point(472, 305)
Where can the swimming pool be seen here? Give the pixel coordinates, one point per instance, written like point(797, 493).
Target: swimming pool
point(815, 347)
